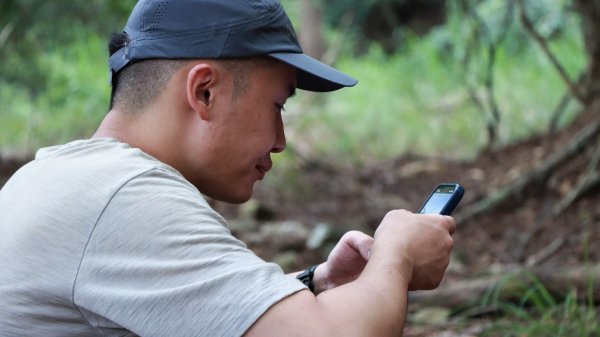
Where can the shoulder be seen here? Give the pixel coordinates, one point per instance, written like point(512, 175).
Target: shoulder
point(159, 253)
point(163, 190)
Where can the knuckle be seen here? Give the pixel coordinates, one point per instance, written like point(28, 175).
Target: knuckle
point(450, 242)
point(434, 282)
point(447, 261)
point(397, 212)
point(389, 214)
point(352, 233)
point(356, 237)
point(451, 222)
point(448, 223)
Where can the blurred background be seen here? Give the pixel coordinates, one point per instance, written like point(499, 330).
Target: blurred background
point(498, 95)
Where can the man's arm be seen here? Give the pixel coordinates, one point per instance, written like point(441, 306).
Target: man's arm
point(409, 252)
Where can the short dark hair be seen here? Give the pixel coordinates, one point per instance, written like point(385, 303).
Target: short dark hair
point(241, 69)
point(140, 82)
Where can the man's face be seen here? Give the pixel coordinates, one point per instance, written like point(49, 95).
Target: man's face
point(245, 130)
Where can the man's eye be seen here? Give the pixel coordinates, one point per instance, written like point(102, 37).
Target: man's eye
point(280, 107)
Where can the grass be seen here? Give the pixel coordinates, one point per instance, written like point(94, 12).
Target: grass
point(538, 313)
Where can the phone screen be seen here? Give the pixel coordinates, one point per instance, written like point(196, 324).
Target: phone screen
point(438, 199)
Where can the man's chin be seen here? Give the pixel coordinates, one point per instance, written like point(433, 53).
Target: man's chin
point(237, 201)
point(233, 198)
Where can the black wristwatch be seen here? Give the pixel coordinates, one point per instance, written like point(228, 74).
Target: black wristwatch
point(306, 277)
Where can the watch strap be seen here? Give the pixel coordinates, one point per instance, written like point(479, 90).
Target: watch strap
point(306, 277)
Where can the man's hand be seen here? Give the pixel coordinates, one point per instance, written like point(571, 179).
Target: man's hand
point(345, 262)
point(422, 241)
point(367, 294)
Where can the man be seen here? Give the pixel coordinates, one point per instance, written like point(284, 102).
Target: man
point(112, 236)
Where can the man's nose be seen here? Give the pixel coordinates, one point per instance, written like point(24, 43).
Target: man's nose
point(279, 145)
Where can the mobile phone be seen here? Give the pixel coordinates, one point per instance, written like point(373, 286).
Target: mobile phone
point(443, 199)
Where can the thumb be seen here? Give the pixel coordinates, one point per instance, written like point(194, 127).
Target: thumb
point(360, 242)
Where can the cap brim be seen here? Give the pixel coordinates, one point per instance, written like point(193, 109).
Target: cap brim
point(314, 75)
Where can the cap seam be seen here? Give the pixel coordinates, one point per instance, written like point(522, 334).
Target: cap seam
point(224, 28)
point(144, 21)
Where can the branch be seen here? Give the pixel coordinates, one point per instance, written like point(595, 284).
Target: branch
point(511, 285)
point(5, 33)
point(590, 179)
point(530, 29)
point(335, 48)
point(587, 181)
point(546, 252)
point(493, 44)
point(471, 89)
point(496, 198)
point(557, 113)
point(489, 85)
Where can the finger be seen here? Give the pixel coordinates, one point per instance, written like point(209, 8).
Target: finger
point(450, 224)
point(447, 221)
point(360, 242)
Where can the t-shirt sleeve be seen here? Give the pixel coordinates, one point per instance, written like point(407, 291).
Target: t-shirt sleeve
point(161, 262)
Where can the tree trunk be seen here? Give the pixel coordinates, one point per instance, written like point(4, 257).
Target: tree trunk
point(311, 37)
point(590, 19)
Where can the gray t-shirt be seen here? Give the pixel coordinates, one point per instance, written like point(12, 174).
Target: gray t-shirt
point(100, 239)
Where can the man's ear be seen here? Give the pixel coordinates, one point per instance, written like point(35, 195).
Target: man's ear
point(200, 81)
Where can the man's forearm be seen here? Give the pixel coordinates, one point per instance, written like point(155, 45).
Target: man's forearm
point(376, 301)
point(372, 305)
point(409, 251)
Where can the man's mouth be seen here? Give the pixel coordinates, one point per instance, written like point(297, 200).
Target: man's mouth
point(263, 169)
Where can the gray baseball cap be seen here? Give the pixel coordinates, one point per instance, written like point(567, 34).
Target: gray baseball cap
point(221, 29)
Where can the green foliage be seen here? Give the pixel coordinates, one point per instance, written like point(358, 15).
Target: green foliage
point(335, 10)
point(416, 100)
point(75, 99)
point(539, 314)
point(29, 28)
point(399, 104)
point(54, 79)
point(53, 83)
